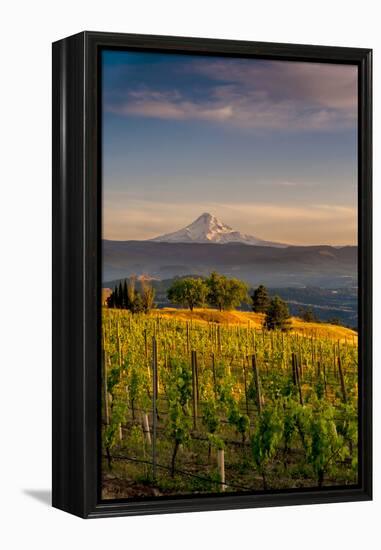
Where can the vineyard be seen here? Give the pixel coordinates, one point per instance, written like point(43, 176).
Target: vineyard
point(196, 405)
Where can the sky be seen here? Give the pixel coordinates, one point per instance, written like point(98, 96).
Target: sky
point(269, 147)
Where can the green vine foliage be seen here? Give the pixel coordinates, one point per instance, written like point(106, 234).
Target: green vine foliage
point(179, 392)
point(216, 442)
point(119, 411)
point(210, 416)
point(291, 444)
point(266, 439)
point(325, 444)
point(241, 422)
point(179, 382)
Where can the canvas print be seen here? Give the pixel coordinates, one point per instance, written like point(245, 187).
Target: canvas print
point(229, 275)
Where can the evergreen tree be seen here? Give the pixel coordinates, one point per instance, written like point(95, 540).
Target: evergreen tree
point(116, 297)
point(260, 299)
point(277, 315)
point(111, 300)
point(120, 295)
point(125, 295)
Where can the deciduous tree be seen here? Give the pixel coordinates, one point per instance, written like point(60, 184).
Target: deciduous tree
point(189, 292)
point(225, 293)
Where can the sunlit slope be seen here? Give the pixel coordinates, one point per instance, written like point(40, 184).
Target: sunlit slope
point(255, 320)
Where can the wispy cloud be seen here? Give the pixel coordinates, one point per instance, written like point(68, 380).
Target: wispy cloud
point(170, 105)
point(288, 183)
point(254, 95)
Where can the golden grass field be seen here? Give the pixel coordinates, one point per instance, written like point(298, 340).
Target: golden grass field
point(255, 320)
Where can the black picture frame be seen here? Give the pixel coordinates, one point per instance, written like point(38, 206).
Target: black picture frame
point(77, 272)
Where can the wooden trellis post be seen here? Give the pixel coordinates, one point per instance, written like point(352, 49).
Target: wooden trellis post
point(194, 388)
point(196, 372)
point(318, 370)
point(105, 389)
point(325, 380)
point(257, 382)
point(145, 344)
point(154, 406)
point(300, 363)
point(245, 382)
point(221, 467)
point(342, 380)
point(146, 429)
point(334, 360)
point(296, 376)
point(119, 345)
point(214, 373)
point(294, 379)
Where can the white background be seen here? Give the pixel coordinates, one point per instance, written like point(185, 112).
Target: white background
point(27, 30)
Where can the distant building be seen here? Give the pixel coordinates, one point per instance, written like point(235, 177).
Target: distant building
point(106, 293)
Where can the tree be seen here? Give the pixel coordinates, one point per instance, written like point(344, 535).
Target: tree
point(131, 290)
point(125, 300)
point(148, 296)
point(225, 293)
point(120, 296)
point(188, 292)
point(307, 314)
point(114, 298)
point(125, 296)
point(260, 299)
point(111, 300)
point(137, 305)
point(277, 315)
point(236, 293)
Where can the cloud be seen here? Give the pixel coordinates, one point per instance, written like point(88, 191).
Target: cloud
point(326, 84)
point(287, 183)
point(170, 106)
point(253, 95)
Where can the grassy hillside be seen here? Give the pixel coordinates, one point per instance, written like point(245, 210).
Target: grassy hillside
point(326, 303)
point(255, 320)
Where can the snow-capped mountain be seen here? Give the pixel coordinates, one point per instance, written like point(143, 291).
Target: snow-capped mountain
point(208, 229)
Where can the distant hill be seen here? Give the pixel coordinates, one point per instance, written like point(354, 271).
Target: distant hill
point(323, 266)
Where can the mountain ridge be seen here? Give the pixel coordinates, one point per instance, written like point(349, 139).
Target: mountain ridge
point(313, 265)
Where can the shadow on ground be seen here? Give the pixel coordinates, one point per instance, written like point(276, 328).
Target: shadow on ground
point(42, 495)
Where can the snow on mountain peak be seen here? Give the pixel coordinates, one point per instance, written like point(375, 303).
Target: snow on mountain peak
point(209, 229)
